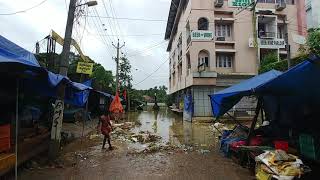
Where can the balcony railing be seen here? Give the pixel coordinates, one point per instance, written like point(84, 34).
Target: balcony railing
point(267, 35)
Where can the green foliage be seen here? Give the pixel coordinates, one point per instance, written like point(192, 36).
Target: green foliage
point(313, 41)
point(283, 64)
point(103, 79)
point(160, 91)
point(125, 77)
point(49, 61)
point(269, 58)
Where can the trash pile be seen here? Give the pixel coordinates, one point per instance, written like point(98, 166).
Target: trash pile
point(219, 127)
point(279, 165)
point(145, 137)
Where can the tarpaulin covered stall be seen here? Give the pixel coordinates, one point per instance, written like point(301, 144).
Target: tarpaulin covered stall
point(20, 70)
point(301, 82)
point(290, 102)
point(224, 100)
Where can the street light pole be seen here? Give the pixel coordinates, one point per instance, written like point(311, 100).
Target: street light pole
point(63, 70)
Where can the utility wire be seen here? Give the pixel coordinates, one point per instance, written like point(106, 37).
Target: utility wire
point(105, 42)
point(23, 11)
point(103, 30)
point(131, 19)
point(115, 18)
point(133, 34)
point(151, 73)
point(109, 22)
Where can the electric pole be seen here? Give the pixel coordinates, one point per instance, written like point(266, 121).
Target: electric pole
point(288, 48)
point(63, 70)
point(118, 47)
point(57, 120)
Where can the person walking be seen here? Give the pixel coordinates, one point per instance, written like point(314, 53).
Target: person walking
point(105, 127)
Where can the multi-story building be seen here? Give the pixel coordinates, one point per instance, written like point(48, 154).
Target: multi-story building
point(216, 43)
point(313, 13)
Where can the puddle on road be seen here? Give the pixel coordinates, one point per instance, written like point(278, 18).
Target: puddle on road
point(172, 129)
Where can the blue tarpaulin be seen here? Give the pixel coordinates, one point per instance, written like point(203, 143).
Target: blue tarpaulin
point(300, 84)
point(302, 80)
point(188, 107)
point(12, 53)
point(224, 100)
point(46, 82)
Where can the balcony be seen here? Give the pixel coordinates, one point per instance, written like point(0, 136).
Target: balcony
point(267, 27)
point(267, 35)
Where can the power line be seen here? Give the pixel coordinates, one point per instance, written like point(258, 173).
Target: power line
point(25, 10)
point(151, 73)
point(131, 19)
point(109, 22)
point(134, 34)
point(115, 16)
point(104, 41)
point(144, 50)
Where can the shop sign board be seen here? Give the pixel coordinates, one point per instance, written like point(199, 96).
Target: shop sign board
point(239, 3)
point(201, 35)
point(84, 68)
point(268, 43)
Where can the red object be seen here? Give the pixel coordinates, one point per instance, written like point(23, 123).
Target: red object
point(5, 138)
point(125, 95)
point(105, 125)
point(256, 141)
point(283, 145)
point(116, 106)
point(235, 145)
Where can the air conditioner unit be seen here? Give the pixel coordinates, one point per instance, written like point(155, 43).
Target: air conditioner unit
point(221, 38)
point(218, 3)
point(280, 5)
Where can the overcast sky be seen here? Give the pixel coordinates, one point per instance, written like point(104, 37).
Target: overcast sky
point(145, 46)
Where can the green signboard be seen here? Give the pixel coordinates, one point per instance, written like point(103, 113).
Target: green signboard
point(239, 3)
point(201, 35)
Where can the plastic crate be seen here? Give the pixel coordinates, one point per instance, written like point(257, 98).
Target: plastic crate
point(5, 138)
point(309, 146)
point(283, 145)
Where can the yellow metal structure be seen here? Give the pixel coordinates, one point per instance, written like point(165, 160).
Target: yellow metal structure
point(60, 41)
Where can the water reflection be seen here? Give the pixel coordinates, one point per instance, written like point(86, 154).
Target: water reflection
point(172, 128)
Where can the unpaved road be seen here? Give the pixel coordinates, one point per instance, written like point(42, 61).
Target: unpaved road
point(84, 159)
point(96, 164)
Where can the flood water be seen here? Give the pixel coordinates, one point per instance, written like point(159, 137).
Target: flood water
point(172, 128)
point(195, 158)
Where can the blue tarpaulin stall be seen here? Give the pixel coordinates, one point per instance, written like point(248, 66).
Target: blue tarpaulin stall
point(20, 67)
point(301, 82)
point(36, 78)
point(224, 100)
point(289, 100)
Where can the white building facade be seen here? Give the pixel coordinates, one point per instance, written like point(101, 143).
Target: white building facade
point(313, 13)
point(212, 46)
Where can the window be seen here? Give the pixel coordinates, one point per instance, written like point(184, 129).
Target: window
point(224, 61)
point(223, 30)
point(203, 58)
point(203, 24)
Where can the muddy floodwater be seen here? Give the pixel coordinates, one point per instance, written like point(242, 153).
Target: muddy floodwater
point(177, 150)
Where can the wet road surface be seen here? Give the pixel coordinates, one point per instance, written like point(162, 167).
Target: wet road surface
point(86, 160)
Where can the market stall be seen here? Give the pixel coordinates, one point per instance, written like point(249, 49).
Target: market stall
point(285, 116)
point(27, 93)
